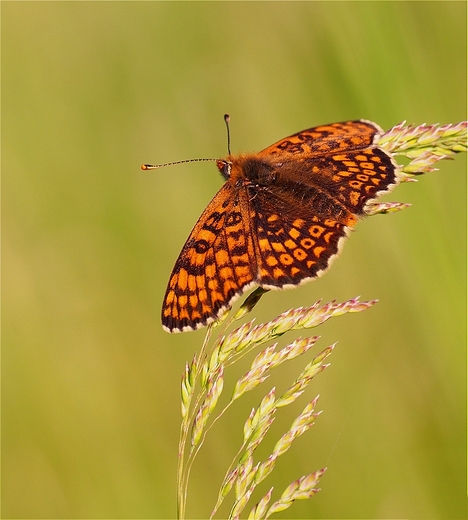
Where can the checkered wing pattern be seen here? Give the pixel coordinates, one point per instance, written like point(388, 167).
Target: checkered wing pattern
point(325, 139)
point(215, 265)
point(294, 244)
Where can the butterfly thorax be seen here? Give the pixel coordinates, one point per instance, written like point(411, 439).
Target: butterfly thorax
point(248, 169)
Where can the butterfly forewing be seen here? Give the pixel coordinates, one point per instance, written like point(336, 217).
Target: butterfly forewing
point(349, 135)
point(214, 265)
point(351, 179)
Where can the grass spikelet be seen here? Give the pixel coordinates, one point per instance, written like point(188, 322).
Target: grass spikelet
point(300, 425)
point(259, 511)
point(265, 410)
point(298, 490)
point(424, 144)
point(304, 378)
point(385, 207)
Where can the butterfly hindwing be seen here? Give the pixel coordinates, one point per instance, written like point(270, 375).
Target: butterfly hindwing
point(295, 245)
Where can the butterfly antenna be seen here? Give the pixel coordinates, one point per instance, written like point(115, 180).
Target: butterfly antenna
point(156, 166)
point(226, 120)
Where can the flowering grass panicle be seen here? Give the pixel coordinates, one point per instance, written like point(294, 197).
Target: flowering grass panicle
point(424, 145)
point(203, 384)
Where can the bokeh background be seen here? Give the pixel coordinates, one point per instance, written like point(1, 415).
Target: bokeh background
point(90, 402)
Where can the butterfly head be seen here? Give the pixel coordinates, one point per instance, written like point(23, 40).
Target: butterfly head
point(224, 167)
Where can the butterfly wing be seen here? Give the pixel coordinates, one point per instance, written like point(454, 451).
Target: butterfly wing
point(348, 135)
point(295, 241)
point(304, 215)
point(352, 179)
point(216, 264)
point(339, 160)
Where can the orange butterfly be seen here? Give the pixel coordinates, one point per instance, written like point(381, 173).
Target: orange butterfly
point(278, 221)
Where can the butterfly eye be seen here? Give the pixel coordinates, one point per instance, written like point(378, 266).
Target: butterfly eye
point(225, 168)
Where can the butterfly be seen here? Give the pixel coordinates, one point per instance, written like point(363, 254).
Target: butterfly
point(279, 220)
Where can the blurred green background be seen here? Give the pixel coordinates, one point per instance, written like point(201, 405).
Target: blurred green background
point(90, 409)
